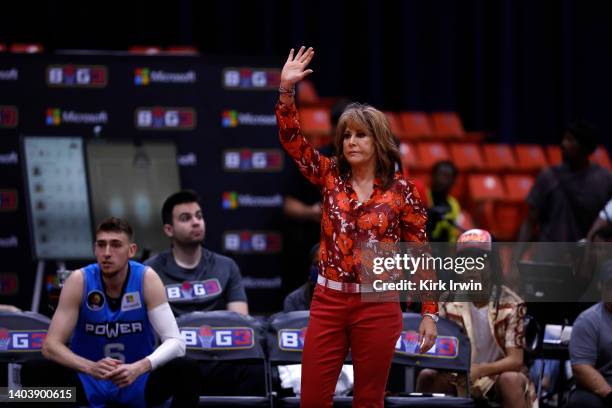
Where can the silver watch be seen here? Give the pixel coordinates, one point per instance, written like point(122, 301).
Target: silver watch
point(434, 317)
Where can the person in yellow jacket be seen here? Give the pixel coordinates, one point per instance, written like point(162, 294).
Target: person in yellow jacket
point(443, 209)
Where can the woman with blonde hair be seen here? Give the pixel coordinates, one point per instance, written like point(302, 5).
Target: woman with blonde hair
point(365, 200)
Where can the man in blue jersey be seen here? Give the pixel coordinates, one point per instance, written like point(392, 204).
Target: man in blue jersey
point(109, 312)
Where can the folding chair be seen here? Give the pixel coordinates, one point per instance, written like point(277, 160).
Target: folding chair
point(226, 336)
point(285, 340)
point(21, 338)
point(450, 353)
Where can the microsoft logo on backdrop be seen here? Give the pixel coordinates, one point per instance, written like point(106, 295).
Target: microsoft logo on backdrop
point(145, 76)
point(232, 200)
point(233, 118)
point(55, 117)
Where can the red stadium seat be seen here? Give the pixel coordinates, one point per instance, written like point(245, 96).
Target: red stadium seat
point(506, 219)
point(530, 157)
point(430, 153)
point(315, 120)
point(19, 48)
point(485, 187)
point(447, 125)
point(145, 50)
point(410, 160)
point(306, 93)
point(498, 157)
point(601, 157)
point(395, 125)
point(181, 50)
point(553, 154)
point(517, 187)
point(466, 156)
point(415, 125)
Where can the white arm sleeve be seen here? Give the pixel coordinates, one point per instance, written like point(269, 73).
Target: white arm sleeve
point(173, 344)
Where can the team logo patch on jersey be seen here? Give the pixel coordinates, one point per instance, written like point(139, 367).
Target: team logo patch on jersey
point(195, 290)
point(130, 301)
point(95, 300)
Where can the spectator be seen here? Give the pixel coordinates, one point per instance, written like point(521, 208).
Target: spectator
point(591, 350)
point(300, 298)
point(443, 209)
point(603, 220)
point(565, 199)
point(195, 277)
point(494, 325)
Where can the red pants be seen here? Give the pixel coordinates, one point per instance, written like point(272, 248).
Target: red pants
point(339, 321)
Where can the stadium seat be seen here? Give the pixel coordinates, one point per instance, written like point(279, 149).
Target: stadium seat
point(181, 50)
point(484, 187)
point(285, 342)
point(315, 121)
point(498, 157)
point(451, 352)
point(553, 154)
point(517, 187)
point(145, 50)
point(408, 153)
point(395, 125)
point(307, 95)
point(416, 125)
point(447, 125)
point(530, 158)
point(430, 153)
point(601, 157)
point(18, 48)
point(466, 156)
point(226, 336)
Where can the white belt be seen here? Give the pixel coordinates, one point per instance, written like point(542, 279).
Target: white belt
point(346, 287)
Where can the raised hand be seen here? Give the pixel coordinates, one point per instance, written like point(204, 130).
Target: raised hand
point(295, 67)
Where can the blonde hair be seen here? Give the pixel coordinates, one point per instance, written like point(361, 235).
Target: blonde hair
point(375, 123)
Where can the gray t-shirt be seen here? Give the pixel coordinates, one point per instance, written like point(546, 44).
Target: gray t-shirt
point(569, 202)
point(211, 285)
point(591, 341)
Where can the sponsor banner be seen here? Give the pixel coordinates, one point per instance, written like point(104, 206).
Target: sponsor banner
point(218, 338)
point(444, 347)
point(187, 160)
point(250, 79)
point(9, 284)
point(165, 118)
point(9, 116)
point(232, 200)
point(9, 242)
point(291, 339)
point(252, 242)
point(21, 340)
point(58, 116)
point(253, 160)
point(233, 118)
point(8, 200)
point(9, 74)
point(144, 76)
point(77, 76)
point(9, 158)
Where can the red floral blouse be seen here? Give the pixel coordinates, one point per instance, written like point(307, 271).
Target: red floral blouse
point(388, 216)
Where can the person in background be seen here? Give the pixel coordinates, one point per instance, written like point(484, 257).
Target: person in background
point(301, 298)
point(591, 350)
point(443, 209)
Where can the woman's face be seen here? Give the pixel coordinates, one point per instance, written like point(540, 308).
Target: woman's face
point(358, 146)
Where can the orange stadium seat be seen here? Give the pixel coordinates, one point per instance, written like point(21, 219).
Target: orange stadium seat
point(553, 154)
point(430, 153)
point(145, 50)
point(466, 156)
point(306, 93)
point(410, 160)
point(415, 125)
point(181, 50)
point(508, 213)
point(517, 187)
point(530, 157)
point(601, 157)
point(484, 187)
point(447, 125)
point(19, 48)
point(316, 124)
point(395, 125)
point(498, 157)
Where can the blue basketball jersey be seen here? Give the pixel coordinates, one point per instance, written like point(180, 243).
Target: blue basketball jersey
point(124, 334)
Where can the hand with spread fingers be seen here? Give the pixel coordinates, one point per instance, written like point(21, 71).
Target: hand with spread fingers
point(427, 334)
point(295, 69)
